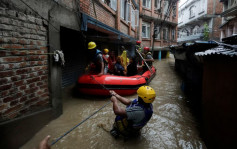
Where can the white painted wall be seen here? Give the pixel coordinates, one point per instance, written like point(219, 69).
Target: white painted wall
point(199, 7)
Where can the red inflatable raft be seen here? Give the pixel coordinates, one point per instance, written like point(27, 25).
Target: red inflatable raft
point(95, 85)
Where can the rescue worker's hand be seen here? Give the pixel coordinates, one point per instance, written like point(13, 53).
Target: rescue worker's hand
point(113, 99)
point(44, 143)
point(112, 93)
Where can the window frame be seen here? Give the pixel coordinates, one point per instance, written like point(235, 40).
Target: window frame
point(158, 3)
point(147, 4)
point(173, 34)
point(191, 12)
point(165, 34)
point(134, 17)
point(147, 31)
point(125, 10)
point(157, 30)
point(112, 4)
point(165, 7)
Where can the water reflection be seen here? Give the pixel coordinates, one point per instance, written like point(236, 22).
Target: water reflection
point(171, 125)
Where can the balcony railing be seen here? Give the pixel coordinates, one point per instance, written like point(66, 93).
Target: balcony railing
point(190, 37)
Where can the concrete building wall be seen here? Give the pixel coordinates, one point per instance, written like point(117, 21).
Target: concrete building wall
point(191, 28)
point(199, 8)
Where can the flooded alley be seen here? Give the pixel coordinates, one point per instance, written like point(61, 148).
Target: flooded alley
point(171, 126)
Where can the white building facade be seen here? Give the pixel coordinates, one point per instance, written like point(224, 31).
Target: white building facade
point(194, 17)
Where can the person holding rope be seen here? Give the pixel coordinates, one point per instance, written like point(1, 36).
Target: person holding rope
point(130, 121)
point(147, 58)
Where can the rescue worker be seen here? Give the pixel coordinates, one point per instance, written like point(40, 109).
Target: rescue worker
point(130, 121)
point(147, 58)
point(96, 59)
point(106, 60)
point(138, 47)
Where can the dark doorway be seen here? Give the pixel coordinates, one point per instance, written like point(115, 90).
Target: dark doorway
point(74, 48)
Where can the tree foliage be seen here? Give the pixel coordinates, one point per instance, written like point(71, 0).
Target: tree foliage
point(206, 32)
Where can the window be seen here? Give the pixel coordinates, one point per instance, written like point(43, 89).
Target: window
point(174, 10)
point(182, 14)
point(157, 32)
point(125, 10)
point(122, 9)
point(232, 3)
point(166, 3)
point(191, 12)
point(147, 4)
point(173, 34)
point(165, 34)
point(157, 5)
point(111, 3)
point(196, 30)
point(134, 17)
point(146, 29)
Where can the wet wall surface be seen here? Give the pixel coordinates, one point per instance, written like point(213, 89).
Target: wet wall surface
point(171, 126)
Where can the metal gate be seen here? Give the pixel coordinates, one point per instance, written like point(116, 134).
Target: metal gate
point(72, 44)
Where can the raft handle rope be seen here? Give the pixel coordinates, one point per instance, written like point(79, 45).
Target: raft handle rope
point(54, 142)
point(99, 83)
point(144, 61)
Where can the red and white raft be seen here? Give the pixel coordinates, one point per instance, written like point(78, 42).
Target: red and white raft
point(123, 85)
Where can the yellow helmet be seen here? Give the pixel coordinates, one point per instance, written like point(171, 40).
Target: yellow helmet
point(91, 45)
point(147, 94)
point(106, 51)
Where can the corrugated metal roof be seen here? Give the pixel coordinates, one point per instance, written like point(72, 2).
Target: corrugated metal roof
point(228, 50)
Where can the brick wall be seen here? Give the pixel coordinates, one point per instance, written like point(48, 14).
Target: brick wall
point(216, 30)
point(209, 6)
point(124, 27)
point(102, 13)
point(23, 64)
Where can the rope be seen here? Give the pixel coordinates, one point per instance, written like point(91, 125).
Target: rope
point(84, 119)
point(78, 124)
point(99, 83)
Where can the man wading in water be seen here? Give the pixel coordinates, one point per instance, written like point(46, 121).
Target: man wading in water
point(138, 112)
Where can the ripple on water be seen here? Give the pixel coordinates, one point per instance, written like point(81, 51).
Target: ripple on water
point(171, 111)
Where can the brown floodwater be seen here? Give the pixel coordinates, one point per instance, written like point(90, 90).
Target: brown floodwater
point(171, 126)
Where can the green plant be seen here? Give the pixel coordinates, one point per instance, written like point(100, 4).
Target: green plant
point(206, 32)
